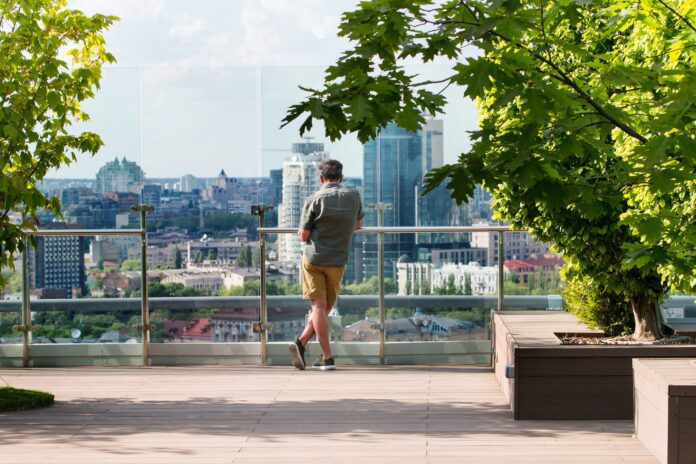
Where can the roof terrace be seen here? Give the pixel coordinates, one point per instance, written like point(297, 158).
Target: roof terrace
point(388, 414)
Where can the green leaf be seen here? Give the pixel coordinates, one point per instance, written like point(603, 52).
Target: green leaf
point(475, 76)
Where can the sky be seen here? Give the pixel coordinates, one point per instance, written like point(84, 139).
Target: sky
point(202, 86)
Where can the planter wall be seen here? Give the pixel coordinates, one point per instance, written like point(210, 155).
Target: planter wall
point(554, 381)
point(665, 408)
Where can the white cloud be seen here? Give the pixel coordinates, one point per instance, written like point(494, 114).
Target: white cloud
point(321, 26)
point(186, 28)
point(289, 32)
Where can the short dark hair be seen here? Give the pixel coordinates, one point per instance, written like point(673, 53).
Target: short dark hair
point(331, 169)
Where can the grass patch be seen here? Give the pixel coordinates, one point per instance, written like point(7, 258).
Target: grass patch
point(16, 399)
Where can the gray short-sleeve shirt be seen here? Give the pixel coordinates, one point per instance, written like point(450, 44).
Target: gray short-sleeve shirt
point(330, 214)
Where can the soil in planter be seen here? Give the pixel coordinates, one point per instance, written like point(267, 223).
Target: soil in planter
point(570, 339)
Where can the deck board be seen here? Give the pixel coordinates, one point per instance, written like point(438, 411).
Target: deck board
point(415, 414)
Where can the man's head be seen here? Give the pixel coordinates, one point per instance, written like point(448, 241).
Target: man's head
point(331, 171)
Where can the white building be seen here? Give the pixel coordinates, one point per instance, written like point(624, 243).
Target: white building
point(300, 180)
point(199, 279)
point(413, 278)
point(238, 206)
point(118, 176)
point(238, 276)
point(158, 256)
point(189, 183)
point(516, 245)
point(441, 256)
point(224, 252)
point(483, 279)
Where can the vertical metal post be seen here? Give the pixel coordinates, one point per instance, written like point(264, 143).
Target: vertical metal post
point(501, 262)
point(260, 211)
point(26, 310)
point(380, 266)
point(144, 298)
point(380, 207)
point(262, 290)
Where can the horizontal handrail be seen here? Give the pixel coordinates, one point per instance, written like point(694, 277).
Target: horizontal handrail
point(286, 301)
point(402, 230)
point(296, 301)
point(81, 232)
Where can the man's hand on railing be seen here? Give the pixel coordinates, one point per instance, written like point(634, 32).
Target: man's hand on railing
point(303, 234)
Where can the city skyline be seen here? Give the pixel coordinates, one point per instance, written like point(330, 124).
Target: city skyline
point(205, 87)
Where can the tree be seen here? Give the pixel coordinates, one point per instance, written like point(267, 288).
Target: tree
point(178, 260)
point(244, 259)
point(50, 62)
point(370, 287)
point(586, 123)
point(157, 289)
point(424, 288)
point(449, 287)
point(256, 257)
point(212, 254)
point(131, 265)
point(467, 285)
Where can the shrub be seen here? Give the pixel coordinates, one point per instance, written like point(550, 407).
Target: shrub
point(15, 399)
point(597, 307)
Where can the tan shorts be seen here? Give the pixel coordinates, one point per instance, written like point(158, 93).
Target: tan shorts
point(321, 282)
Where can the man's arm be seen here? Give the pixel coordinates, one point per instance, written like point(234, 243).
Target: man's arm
point(361, 215)
point(303, 234)
point(306, 220)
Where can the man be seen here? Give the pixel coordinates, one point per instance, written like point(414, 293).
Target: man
point(328, 219)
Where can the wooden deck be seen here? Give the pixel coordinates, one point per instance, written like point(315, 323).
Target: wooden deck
point(539, 328)
point(208, 415)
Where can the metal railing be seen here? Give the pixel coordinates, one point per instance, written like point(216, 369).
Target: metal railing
point(261, 302)
point(381, 231)
point(26, 328)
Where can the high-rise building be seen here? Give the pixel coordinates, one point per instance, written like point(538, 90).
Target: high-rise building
point(116, 176)
point(73, 195)
point(277, 186)
point(394, 164)
point(516, 245)
point(300, 180)
point(151, 194)
point(95, 214)
point(189, 183)
point(57, 265)
point(125, 200)
point(437, 208)
point(481, 203)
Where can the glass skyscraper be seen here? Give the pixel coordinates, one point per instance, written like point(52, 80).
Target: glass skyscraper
point(394, 164)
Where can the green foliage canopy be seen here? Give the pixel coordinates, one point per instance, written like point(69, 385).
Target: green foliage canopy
point(586, 131)
point(50, 62)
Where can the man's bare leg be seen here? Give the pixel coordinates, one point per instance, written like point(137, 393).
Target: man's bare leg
point(308, 333)
point(320, 325)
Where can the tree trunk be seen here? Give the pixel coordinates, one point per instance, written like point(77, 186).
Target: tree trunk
point(645, 314)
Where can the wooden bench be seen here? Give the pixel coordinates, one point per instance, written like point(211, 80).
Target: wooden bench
point(665, 408)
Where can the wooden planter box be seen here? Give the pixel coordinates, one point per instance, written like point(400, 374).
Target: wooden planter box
point(543, 379)
point(665, 409)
